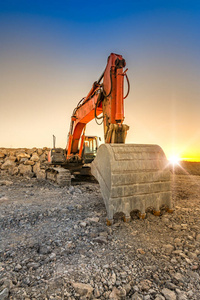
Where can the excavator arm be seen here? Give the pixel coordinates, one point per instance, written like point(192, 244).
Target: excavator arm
point(105, 98)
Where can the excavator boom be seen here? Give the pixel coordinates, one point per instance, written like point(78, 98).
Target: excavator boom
point(107, 98)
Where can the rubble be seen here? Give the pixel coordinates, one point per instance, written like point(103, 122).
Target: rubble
point(24, 162)
point(54, 243)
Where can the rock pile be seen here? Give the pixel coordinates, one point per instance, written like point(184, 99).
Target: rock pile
point(23, 161)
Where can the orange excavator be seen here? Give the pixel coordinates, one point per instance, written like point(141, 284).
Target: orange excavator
point(131, 176)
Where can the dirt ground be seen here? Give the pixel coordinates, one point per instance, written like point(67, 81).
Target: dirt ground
point(54, 244)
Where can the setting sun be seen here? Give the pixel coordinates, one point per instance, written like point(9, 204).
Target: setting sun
point(174, 160)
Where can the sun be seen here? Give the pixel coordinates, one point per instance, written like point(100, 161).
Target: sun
point(174, 160)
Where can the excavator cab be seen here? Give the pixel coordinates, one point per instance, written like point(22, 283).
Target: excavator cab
point(90, 148)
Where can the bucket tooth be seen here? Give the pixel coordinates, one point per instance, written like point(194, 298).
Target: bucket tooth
point(127, 219)
point(156, 212)
point(109, 222)
point(132, 177)
point(142, 216)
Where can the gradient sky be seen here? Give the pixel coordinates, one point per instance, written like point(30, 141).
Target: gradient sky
point(52, 51)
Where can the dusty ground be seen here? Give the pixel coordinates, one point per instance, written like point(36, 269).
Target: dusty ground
point(54, 240)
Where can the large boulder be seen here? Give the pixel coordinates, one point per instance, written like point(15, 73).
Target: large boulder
point(41, 174)
point(35, 157)
point(43, 158)
point(25, 170)
point(39, 152)
point(29, 162)
point(22, 155)
point(36, 168)
point(8, 164)
point(11, 157)
point(13, 171)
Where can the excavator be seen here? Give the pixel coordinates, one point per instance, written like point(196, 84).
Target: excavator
point(132, 177)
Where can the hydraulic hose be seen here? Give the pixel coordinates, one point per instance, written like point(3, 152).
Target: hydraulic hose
point(128, 83)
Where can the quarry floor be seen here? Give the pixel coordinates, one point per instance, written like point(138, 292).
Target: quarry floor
point(54, 244)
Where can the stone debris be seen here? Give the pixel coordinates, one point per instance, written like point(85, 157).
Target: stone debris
point(168, 294)
point(4, 294)
point(83, 289)
point(54, 243)
point(24, 162)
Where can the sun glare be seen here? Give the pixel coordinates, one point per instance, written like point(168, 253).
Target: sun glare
point(174, 160)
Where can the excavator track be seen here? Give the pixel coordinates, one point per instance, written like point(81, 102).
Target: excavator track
point(59, 175)
point(132, 177)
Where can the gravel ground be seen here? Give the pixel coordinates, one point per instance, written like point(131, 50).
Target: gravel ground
point(54, 244)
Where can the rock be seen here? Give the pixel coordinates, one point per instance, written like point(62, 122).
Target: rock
point(18, 267)
point(44, 249)
point(184, 226)
point(83, 224)
point(179, 277)
point(22, 155)
point(193, 275)
point(83, 289)
point(35, 157)
point(176, 227)
point(198, 237)
point(11, 157)
point(29, 162)
point(33, 265)
point(117, 294)
point(97, 293)
point(177, 242)
point(36, 168)
point(41, 175)
point(13, 171)
point(127, 288)
point(168, 294)
point(113, 278)
point(39, 152)
point(159, 297)
point(5, 182)
point(190, 294)
point(181, 295)
point(4, 294)
point(25, 170)
point(7, 283)
point(136, 296)
point(8, 164)
point(145, 285)
point(23, 160)
point(192, 255)
point(95, 220)
point(170, 285)
point(168, 249)
point(141, 251)
point(2, 155)
point(43, 158)
point(100, 240)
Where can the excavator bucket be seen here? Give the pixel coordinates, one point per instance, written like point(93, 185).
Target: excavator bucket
point(132, 177)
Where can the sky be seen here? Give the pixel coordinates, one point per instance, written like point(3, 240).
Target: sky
point(51, 52)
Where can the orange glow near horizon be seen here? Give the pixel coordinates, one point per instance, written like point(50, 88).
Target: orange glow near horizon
point(176, 158)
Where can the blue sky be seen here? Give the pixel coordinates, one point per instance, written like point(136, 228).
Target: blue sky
point(52, 51)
